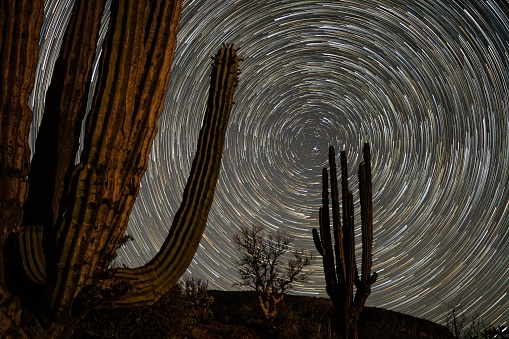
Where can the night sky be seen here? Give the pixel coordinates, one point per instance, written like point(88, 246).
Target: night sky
point(427, 85)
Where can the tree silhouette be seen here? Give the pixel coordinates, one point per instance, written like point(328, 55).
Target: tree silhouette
point(264, 268)
point(62, 221)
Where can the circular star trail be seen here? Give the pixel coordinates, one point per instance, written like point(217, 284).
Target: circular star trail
point(426, 84)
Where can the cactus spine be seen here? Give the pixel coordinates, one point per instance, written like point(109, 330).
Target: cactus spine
point(340, 269)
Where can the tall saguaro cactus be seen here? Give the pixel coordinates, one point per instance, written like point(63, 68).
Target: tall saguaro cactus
point(62, 238)
point(340, 268)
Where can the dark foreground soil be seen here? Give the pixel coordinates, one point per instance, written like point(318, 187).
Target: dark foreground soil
point(237, 315)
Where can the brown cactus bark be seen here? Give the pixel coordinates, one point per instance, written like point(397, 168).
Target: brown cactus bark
point(133, 76)
point(20, 23)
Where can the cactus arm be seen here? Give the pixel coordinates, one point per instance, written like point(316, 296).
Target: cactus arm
point(347, 215)
point(149, 282)
point(366, 201)
point(32, 253)
point(328, 259)
point(373, 278)
point(20, 23)
point(351, 267)
point(365, 192)
point(366, 196)
point(348, 231)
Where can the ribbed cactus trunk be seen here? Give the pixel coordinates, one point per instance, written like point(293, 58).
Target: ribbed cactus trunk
point(133, 75)
point(340, 268)
point(59, 250)
point(20, 23)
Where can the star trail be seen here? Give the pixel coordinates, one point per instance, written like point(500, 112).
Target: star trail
point(426, 83)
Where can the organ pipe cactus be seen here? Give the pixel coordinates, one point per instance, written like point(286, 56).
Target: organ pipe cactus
point(340, 269)
point(61, 244)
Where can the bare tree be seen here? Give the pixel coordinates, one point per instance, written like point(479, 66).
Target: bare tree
point(265, 268)
point(462, 328)
point(456, 320)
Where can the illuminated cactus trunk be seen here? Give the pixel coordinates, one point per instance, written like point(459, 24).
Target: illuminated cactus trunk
point(340, 269)
point(20, 24)
point(19, 50)
point(133, 76)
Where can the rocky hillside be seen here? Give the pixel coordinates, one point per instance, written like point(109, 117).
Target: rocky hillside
point(237, 315)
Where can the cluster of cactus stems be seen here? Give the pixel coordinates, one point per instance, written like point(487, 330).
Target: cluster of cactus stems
point(147, 283)
point(340, 268)
point(76, 214)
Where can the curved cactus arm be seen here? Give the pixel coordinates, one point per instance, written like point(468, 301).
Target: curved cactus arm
point(151, 281)
point(318, 242)
point(32, 253)
point(372, 278)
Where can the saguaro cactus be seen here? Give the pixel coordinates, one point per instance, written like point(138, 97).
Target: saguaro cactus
point(340, 269)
